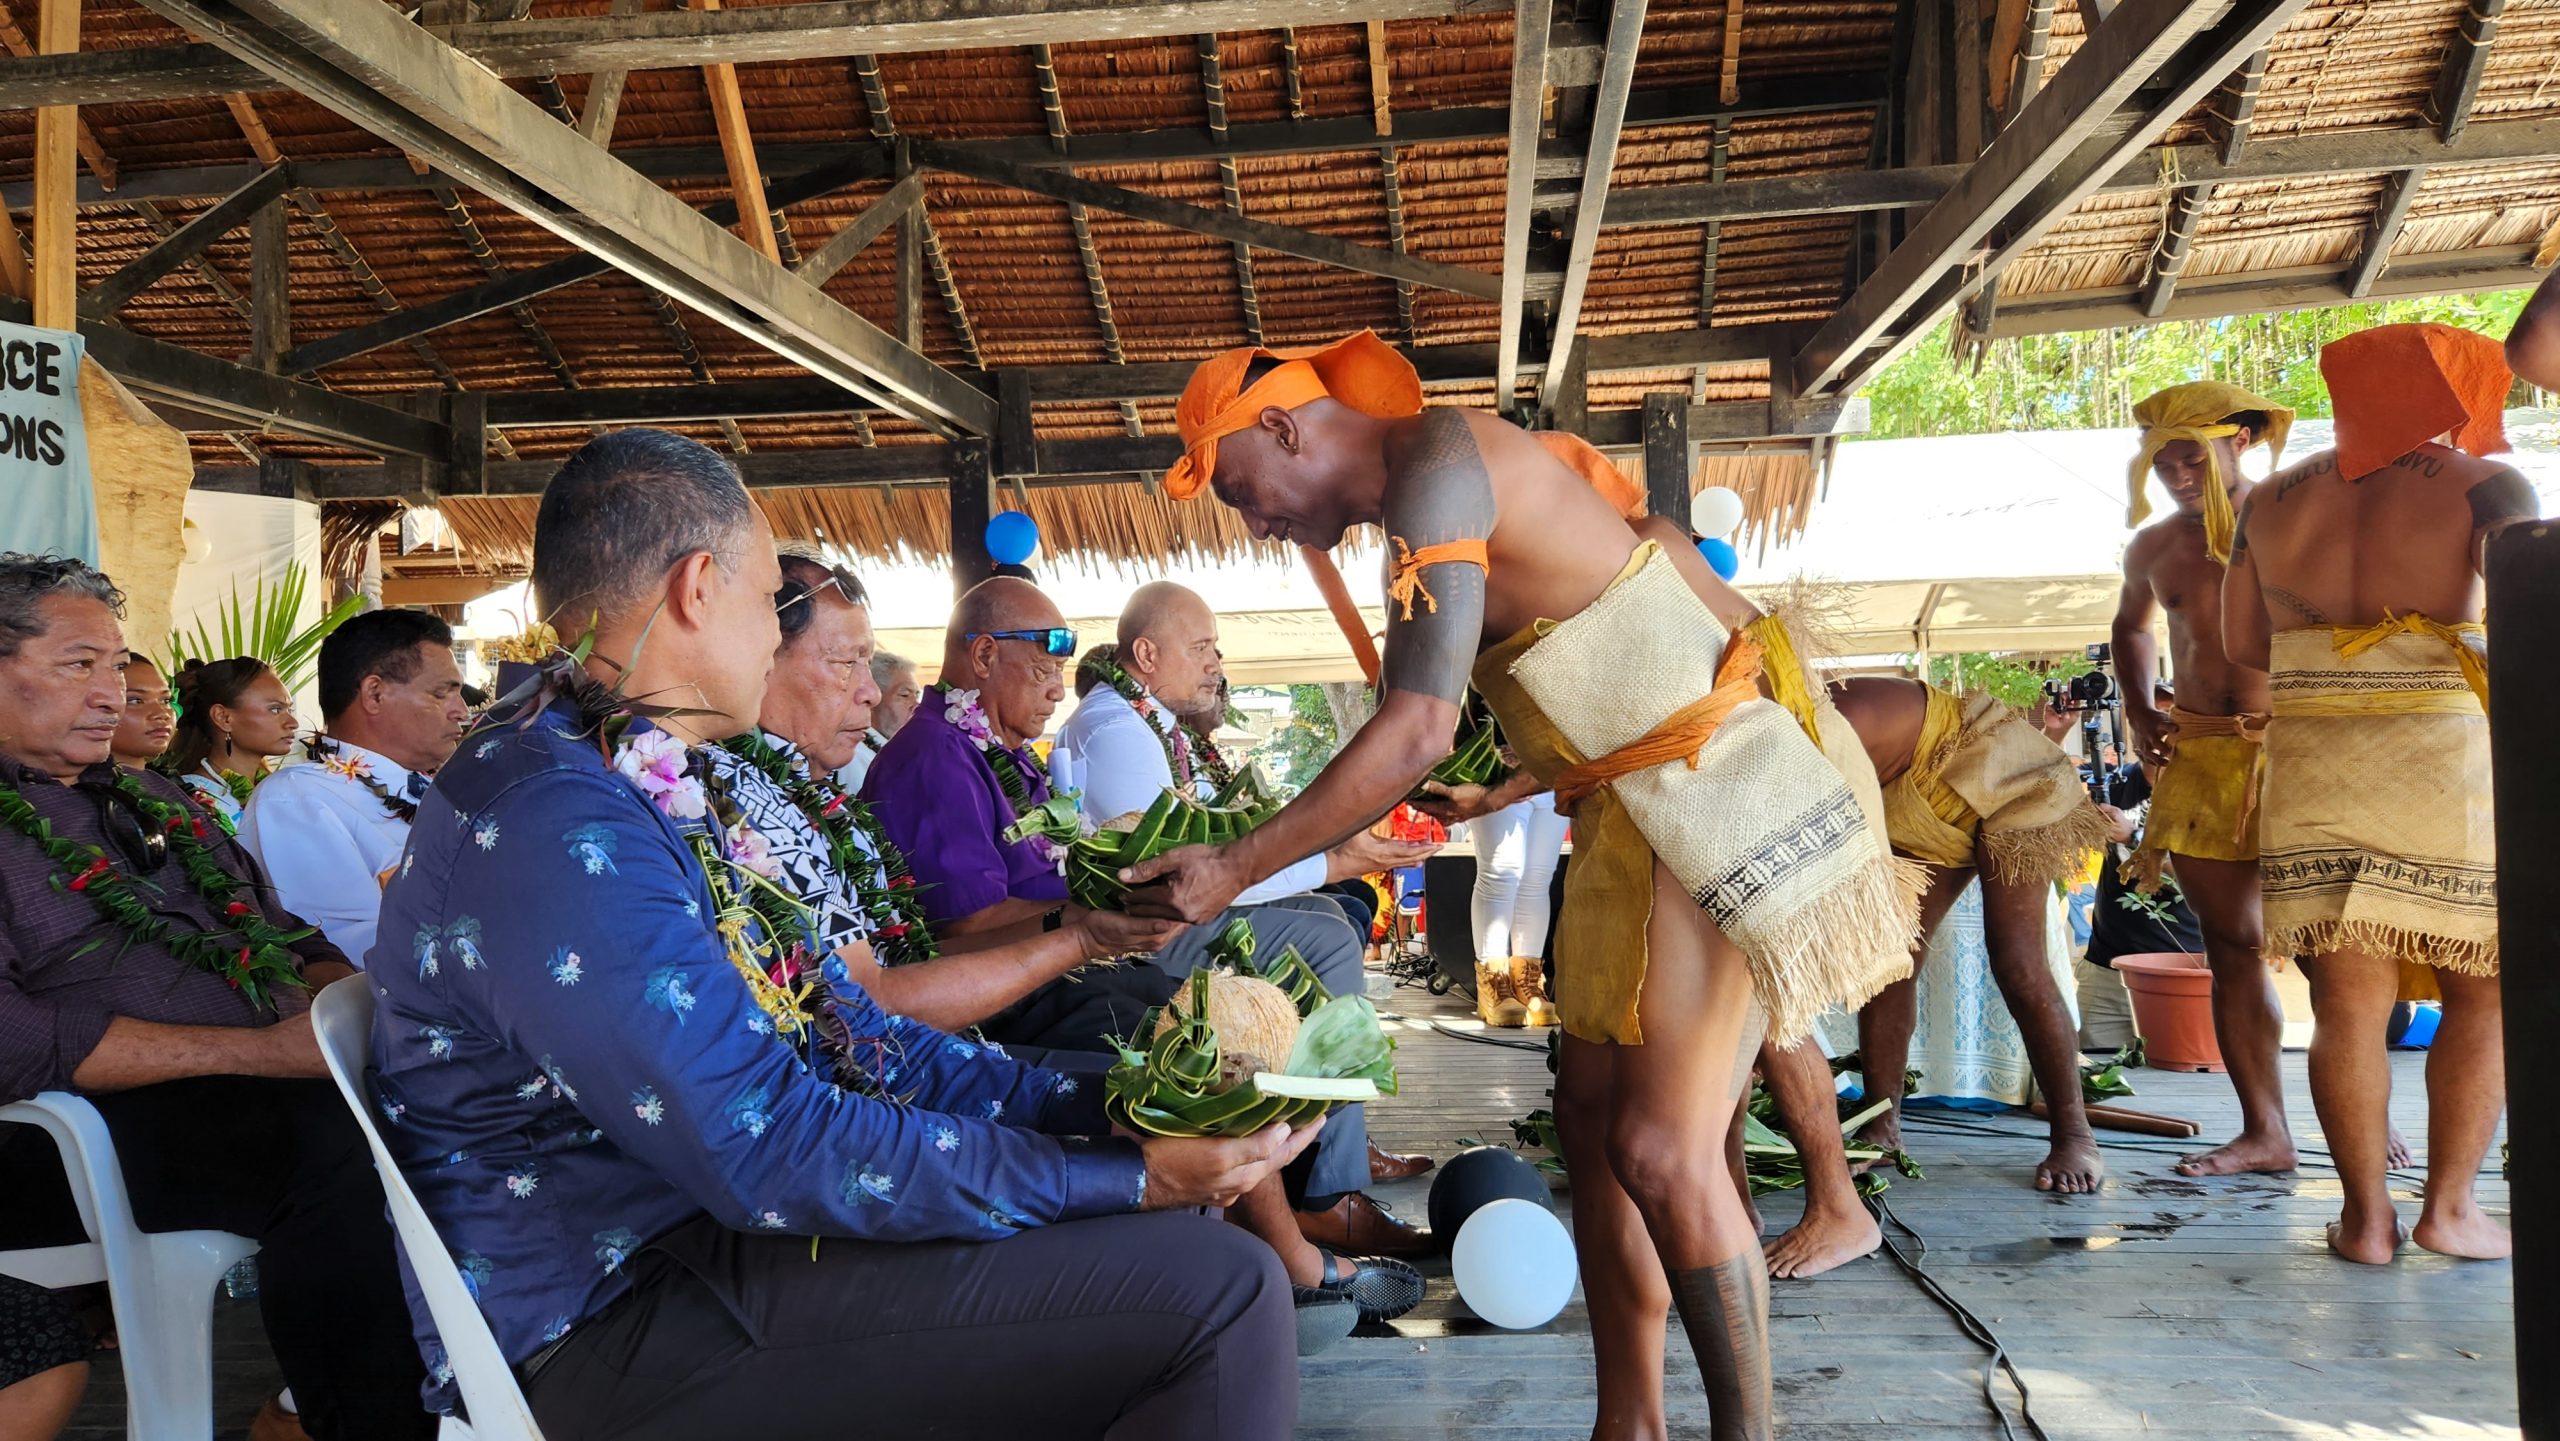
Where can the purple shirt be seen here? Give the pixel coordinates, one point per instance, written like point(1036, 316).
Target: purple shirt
point(65, 970)
point(940, 802)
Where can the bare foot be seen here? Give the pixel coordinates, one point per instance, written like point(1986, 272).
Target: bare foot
point(2244, 1153)
point(2073, 1168)
point(1884, 1130)
point(2472, 1236)
point(1823, 1242)
point(2397, 1155)
point(2367, 1245)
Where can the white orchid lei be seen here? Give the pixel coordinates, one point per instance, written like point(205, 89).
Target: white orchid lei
point(967, 716)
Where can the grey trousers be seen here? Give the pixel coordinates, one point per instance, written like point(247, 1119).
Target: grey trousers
point(1164, 1327)
point(1322, 934)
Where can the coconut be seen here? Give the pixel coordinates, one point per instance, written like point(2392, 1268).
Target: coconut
point(1250, 1015)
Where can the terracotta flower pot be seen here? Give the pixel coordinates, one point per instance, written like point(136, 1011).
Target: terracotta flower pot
point(2173, 1009)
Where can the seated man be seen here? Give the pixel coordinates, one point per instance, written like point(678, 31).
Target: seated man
point(894, 680)
point(1970, 786)
point(1128, 742)
point(958, 774)
point(630, 1102)
point(826, 851)
point(2355, 582)
point(145, 964)
point(330, 828)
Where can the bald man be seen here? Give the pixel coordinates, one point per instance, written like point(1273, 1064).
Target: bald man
point(960, 772)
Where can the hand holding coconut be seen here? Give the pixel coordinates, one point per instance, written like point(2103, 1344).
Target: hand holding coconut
point(1216, 1170)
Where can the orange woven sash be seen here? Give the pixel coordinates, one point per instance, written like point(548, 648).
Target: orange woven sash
point(1680, 735)
point(1404, 585)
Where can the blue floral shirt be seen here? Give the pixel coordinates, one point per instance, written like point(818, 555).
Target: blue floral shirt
point(567, 1066)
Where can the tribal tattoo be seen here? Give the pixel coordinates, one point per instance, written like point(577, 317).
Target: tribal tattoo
point(2503, 498)
point(2303, 608)
point(1725, 1310)
point(1438, 491)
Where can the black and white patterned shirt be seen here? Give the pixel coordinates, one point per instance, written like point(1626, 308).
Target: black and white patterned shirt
point(807, 869)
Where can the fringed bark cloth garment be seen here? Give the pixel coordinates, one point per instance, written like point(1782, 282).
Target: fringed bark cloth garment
point(1755, 822)
point(1986, 787)
point(2204, 803)
point(2379, 829)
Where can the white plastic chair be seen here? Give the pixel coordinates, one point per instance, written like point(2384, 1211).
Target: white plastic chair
point(342, 1019)
point(160, 1285)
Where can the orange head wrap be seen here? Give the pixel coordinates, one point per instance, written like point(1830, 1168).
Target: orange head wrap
point(2396, 387)
point(1361, 371)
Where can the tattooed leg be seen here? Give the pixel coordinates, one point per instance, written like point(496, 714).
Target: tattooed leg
point(1725, 1310)
point(1669, 1104)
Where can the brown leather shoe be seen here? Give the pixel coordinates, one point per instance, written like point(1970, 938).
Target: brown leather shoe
point(1388, 1166)
point(274, 1423)
point(1358, 1225)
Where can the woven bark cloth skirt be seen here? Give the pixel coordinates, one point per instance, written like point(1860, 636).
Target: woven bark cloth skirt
point(1985, 787)
point(2377, 830)
point(1763, 830)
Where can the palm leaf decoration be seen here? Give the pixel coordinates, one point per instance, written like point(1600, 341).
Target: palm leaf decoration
point(263, 623)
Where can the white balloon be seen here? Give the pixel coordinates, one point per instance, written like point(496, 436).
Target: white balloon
point(1513, 1262)
point(1715, 513)
point(198, 542)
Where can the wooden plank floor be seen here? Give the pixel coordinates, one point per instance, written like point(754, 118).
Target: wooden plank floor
point(2204, 1308)
point(2209, 1308)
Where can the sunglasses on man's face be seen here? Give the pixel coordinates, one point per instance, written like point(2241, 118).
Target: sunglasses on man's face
point(1057, 640)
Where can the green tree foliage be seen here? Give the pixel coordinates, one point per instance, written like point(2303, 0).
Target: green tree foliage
point(2091, 380)
point(263, 623)
point(2015, 680)
point(1302, 747)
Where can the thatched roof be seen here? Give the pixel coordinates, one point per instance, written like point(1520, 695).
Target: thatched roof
point(1009, 284)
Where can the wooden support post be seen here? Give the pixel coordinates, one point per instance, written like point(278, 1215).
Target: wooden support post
point(282, 477)
point(1973, 77)
point(972, 505)
point(466, 470)
point(1017, 445)
point(1571, 410)
point(738, 145)
point(270, 288)
point(56, 281)
point(1666, 456)
point(2523, 566)
point(910, 261)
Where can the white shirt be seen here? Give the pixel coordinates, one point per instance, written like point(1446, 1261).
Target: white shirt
point(849, 775)
point(328, 842)
point(1110, 755)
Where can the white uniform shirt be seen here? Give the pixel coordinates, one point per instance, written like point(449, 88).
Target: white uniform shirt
point(328, 842)
point(1110, 754)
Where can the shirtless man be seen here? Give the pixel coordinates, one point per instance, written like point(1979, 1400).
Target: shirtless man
point(2171, 566)
point(1331, 439)
point(2355, 579)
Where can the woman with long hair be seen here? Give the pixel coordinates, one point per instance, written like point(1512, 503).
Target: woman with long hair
point(149, 721)
point(234, 717)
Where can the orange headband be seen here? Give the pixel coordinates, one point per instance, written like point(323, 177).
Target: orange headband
point(1361, 371)
point(2396, 387)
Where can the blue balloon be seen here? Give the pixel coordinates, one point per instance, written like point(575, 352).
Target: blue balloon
point(1721, 557)
point(1011, 537)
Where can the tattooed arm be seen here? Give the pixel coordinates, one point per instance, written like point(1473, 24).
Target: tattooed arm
point(2500, 501)
point(2246, 626)
point(1438, 491)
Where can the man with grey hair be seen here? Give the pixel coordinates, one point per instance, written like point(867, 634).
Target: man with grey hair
point(146, 964)
point(629, 1091)
point(895, 678)
point(960, 773)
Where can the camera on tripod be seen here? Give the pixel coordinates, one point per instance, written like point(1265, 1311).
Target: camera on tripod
point(2091, 691)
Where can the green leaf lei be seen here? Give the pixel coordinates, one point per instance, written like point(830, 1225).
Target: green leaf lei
point(1179, 753)
point(895, 904)
point(250, 952)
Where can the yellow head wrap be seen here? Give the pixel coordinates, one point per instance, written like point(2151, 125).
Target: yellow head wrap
point(2195, 411)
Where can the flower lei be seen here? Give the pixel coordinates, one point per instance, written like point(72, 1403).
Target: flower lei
point(1177, 742)
point(961, 708)
point(250, 952)
point(894, 905)
point(347, 767)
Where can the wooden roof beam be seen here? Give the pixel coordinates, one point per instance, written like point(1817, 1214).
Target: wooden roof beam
point(2390, 211)
point(2062, 148)
point(1287, 240)
point(2235, 107)
point(1213, 93)
point(2169, 255)
point(1528, 106)
point(738, 147)
point(85, 140)
point(1608, 113)
point(367, 64)
point(2448, 106)
point(190, 242)
point(2290, 288)
point(818, 265)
